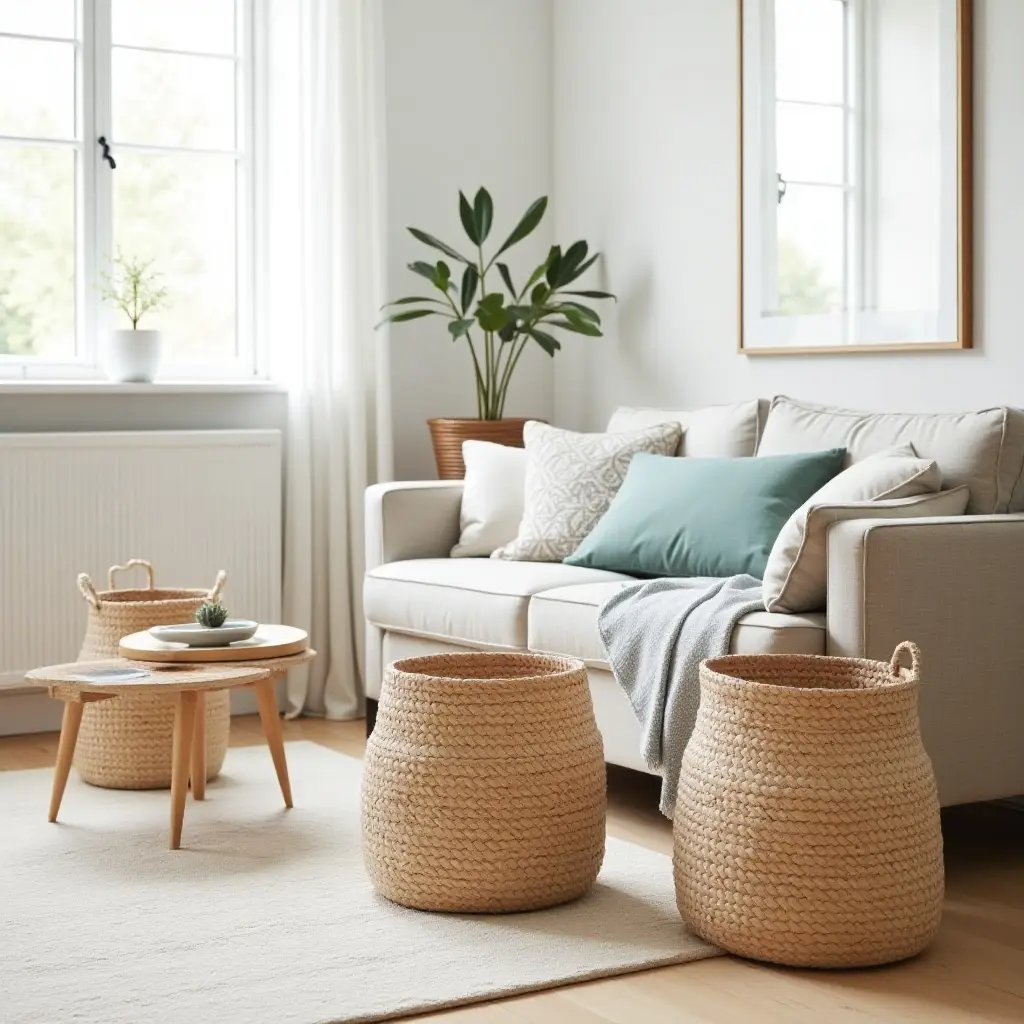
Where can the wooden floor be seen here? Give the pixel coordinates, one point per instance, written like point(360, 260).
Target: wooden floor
point(973, 972)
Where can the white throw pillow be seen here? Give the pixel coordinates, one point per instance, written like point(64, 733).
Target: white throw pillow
point(714, 432)
point(492, 497)
point(570, 481)
point(795, 576)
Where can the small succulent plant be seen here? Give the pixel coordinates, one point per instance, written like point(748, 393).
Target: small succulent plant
point(211, 614)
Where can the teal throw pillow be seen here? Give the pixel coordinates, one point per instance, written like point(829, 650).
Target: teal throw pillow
point(702, 517)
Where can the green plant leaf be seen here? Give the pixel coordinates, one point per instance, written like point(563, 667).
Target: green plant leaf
point(580, 310)
point(412, 314)
point(579, 326)
point(457, 328)
point(470, 280)
point(535, 277)
point(553, 265)
point(546, 341)
point(525, 312)
point(509, 331)
point(491, 313)
point(506, 276)
point(527, 224)
point(594, 295)
point(567, 277)
point(466, 216)
point(540, 294)
point(483, 214)
point(573, 257)
point(436, 243)
point(429, 271)
point(444, 275)
point(409, 300)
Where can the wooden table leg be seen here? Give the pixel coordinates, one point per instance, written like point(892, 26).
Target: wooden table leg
point(184, 727)
point(65, 752)
point(198, 770)
point(266, 697)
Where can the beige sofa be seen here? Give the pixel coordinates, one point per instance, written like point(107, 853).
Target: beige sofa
point(955, 586)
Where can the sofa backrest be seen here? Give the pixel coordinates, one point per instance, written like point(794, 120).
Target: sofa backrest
point(984, 450)
point(715, 432)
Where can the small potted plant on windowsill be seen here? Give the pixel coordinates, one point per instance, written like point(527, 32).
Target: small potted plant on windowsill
point(497, 321)
point(133, 288)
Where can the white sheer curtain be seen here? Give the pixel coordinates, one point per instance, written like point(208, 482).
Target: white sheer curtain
point(324, 272)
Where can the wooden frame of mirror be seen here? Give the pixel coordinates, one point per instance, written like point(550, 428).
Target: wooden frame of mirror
point(964, 208)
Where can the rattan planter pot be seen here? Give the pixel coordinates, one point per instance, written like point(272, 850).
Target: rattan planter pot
point(484, 784)
point(125, 743)
point(448, 435)
point(807, 821)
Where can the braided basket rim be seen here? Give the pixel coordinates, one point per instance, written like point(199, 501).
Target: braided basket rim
point(160, 595)
point(743, 666)
point(560, 668)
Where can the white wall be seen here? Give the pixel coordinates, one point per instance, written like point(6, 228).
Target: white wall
point(468, 95)
point(645, 167)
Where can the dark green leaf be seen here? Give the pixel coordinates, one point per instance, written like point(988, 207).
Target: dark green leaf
point(410, 300)
point(526, 225)
point(580, 310)
point(436, 243)
point(535, 277)
point(506, 276)
point(483, 214)
point(579, 326)
point(508, 332)
point(594, 295)
point(554, 265)
point(429, 271)
point(525, 312)
point(491, 313)
point(540, 294)
point(492, 301)
point(466, 216)
point(574, 256)
point(444, 275)
point(412, 314)
point(549, 344)
point(470, 280)
point(457, 328)
point(567, 277)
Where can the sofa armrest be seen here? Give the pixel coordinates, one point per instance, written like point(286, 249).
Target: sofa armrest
point(955, 586)
point(411, 519)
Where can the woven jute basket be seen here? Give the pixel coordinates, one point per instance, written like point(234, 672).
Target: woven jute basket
point(448, 435)
point(807, 822)
point(126, 742)
point(484, 784)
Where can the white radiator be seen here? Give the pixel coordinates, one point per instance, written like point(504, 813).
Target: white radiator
point(190, 502)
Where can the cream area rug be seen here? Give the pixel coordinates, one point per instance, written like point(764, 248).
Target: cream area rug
point(266, 915)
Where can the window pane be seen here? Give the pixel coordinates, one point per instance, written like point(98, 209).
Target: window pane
point(810, 251)
point(165, 100)
point(203, 26)
point(37, 89)
point(37, 251)
point(810, 142)
point(38, 17)
point(809, 44)
point(179, 211)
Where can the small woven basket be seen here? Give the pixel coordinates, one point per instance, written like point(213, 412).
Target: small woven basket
point(484, 784)
point(807, 821)
point(126, 742)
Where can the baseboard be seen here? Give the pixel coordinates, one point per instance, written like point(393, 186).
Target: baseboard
point(22, 713)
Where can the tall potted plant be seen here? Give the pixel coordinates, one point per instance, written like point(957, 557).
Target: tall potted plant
point(496, 319)
point(134, 289)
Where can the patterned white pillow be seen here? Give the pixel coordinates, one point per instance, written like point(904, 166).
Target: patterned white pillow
point(570, 481)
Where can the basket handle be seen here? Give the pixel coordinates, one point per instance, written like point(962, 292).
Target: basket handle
point(131, 564)
point(218, 586)
point(88, 591)
point(915, 660)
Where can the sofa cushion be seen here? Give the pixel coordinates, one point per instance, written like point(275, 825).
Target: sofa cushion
point(477, 602)
point(564, 621)
point(984, 450)
point(715, 432)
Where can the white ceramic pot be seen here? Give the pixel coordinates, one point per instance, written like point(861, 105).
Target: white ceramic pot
point(132, 356)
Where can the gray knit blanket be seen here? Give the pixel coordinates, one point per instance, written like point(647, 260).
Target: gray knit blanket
point(656, 634)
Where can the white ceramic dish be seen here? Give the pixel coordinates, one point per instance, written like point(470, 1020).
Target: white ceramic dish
point(194, 635)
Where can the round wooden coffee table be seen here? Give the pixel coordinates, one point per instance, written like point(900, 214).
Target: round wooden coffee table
point(80, 683)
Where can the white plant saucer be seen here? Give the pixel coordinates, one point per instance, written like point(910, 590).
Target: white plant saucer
point(194, 635)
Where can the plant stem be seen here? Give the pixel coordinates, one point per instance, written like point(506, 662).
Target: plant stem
point(510, 368)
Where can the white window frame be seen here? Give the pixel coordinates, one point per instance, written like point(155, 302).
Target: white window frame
point(93, 197)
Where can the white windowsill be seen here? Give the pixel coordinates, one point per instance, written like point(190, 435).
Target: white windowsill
point(106, 387)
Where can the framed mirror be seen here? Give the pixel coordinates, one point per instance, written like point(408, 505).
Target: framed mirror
point(855, 175)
